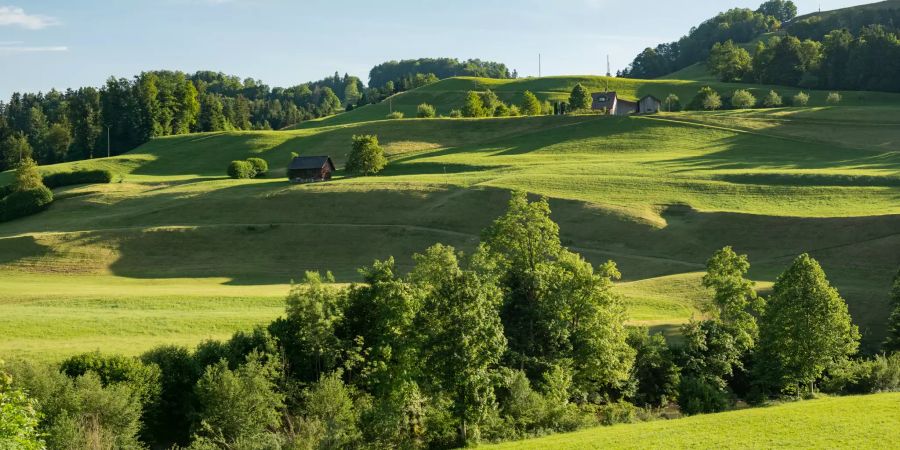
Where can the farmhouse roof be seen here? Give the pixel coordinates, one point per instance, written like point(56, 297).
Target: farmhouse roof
point(311, 162)
point(650, 96)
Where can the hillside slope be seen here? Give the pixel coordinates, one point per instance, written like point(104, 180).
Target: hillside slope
point(844, 422)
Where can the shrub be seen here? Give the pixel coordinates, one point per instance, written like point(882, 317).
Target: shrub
point(395, 115)
point(5, 190)
point(260, 166)
point(531, 106)
point(25, 203)
point(801, 99)
point(618, 412)
point(743, 99)
point(707, 98)
point(834, 98)
point(366, 156)
point(673, 103)
point(502, 110)
point(773, 100)
point(143, 379)
point(696, 396)
point(241, 169)
point(869, 376)
point(425, 111)
point(580, 98)
point(61, 179)
point(455, 113)
point(473, 106)
point(27, 176)
point(514, 111)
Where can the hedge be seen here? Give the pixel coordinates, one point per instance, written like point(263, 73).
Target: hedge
point(61, 179)
point(25, 203)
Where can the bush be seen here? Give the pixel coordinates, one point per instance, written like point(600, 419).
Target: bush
point(801, 99)
point(25, 203)
point(143, 379)
point(260, 166)
point(531, 106)
point(773, 100)
point(455, 113)
point(6, 190)
point(241, 169)
point(395, 115)
point(743, 99)
point(706, 99)
point(425, 111)
point(61, 179)
point(696, 396)
point(868, 376)
point(618, 412)
point(366, 156)
point(834, 98)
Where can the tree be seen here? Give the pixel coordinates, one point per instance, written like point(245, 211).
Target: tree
point(18, 418)
point(425, 111)
point(801, 99)
point(531, 106)
point(463, 339)
point(673, 103)
point(707, 98)
point(734, 296)
point(27, 176)
point(15, 150)
point(211, 116)
point(237, 403)
point(805, 329)
point(655, 370)
point(773, 100)
point(743, 99)
point(783, 10)
point(57, 143)
point(473, 106)
point(351, 94)
point(366, 156)
point(729, 61)
point(892, 343)
point(328, 404)
point(834, 98)
point(580, 98)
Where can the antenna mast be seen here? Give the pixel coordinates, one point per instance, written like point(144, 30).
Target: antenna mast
point(539, 65)
point(608, 67)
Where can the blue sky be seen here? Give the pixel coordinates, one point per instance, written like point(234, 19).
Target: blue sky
point(63, 43)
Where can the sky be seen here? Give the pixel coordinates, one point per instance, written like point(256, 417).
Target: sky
point(62, 43)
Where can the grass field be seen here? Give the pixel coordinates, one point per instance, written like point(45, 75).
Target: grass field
point(173, 243)
point(844, 422)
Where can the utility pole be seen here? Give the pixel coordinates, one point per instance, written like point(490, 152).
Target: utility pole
point(608, 67)
point(107, 142)
point(539, 65)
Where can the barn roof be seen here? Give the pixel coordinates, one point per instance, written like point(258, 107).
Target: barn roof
point(650, 96)
point(311, 162)
point(603, 100)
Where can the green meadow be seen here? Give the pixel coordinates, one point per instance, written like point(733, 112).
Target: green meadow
point(175, 252)
point(843, 422)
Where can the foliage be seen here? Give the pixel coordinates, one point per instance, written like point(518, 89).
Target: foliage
point(455, 113)
point(75, 177)
point(655, 371)
point(834, 98)
point(425, 111)
point(673, 103)
point(706, 99)
point(27, 177)
point(167, 420)
point(801, 99)
point(25, 203)
point(473, 106)
point(864, 376)
point(892, 342)
point(396, 115)
point(531, 106)
point(328, 405)
point(773, 100)
point(18, 418)
point(366, 156)
point(580, 98)
point(260, 166)
point(783, 10)
point(805, 328)
point(241, 170)
point(699, 396)
point(403, 73)
point(729, 61)
point(314, 310)
point(735, 298)
point(743, 99)
point(237, 403)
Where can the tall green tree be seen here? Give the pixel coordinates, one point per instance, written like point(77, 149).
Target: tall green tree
point(734, 295)
point(18, 418)
point(729, 61)
point(27, 176)
point(580, 98)
point(85, 118)
point(783, 10)
point(57, 143)
point(805, 329)
point(211, 116)
point(366, 156)
point(892, 343)
point(462, 335)
point(14, 150)
point(531, 106)
point(315, 308)
point(473, 106)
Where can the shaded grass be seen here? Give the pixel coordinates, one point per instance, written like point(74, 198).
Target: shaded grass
point(844, 422)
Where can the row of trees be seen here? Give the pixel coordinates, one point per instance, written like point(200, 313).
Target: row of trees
point(840, 61)
point(738, 25)
point(521, 337)
point(80, 124)
point(709, 99)
point(411, 73)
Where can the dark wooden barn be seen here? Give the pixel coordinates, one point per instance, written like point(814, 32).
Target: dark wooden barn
point(308, 169)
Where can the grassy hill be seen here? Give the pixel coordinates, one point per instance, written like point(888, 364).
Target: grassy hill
point(173, 237)
point(845, 422)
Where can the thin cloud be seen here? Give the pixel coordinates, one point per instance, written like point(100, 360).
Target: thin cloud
point(7, 50)
point(15, 16)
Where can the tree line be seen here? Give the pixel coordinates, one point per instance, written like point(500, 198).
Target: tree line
point(411, 73)
point(521, 337)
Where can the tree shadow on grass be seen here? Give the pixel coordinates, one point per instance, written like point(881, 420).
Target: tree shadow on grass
point(16, 249)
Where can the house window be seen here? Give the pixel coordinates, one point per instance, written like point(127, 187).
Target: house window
point(601, 99)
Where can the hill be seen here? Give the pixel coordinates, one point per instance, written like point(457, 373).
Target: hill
point(657, 194)
point(846, 422)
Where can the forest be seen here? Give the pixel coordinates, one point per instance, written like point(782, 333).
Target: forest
point(520, 338)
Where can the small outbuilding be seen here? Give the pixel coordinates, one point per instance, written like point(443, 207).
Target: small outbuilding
point(649, 105)
point(308, 169)
point(612, 104)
